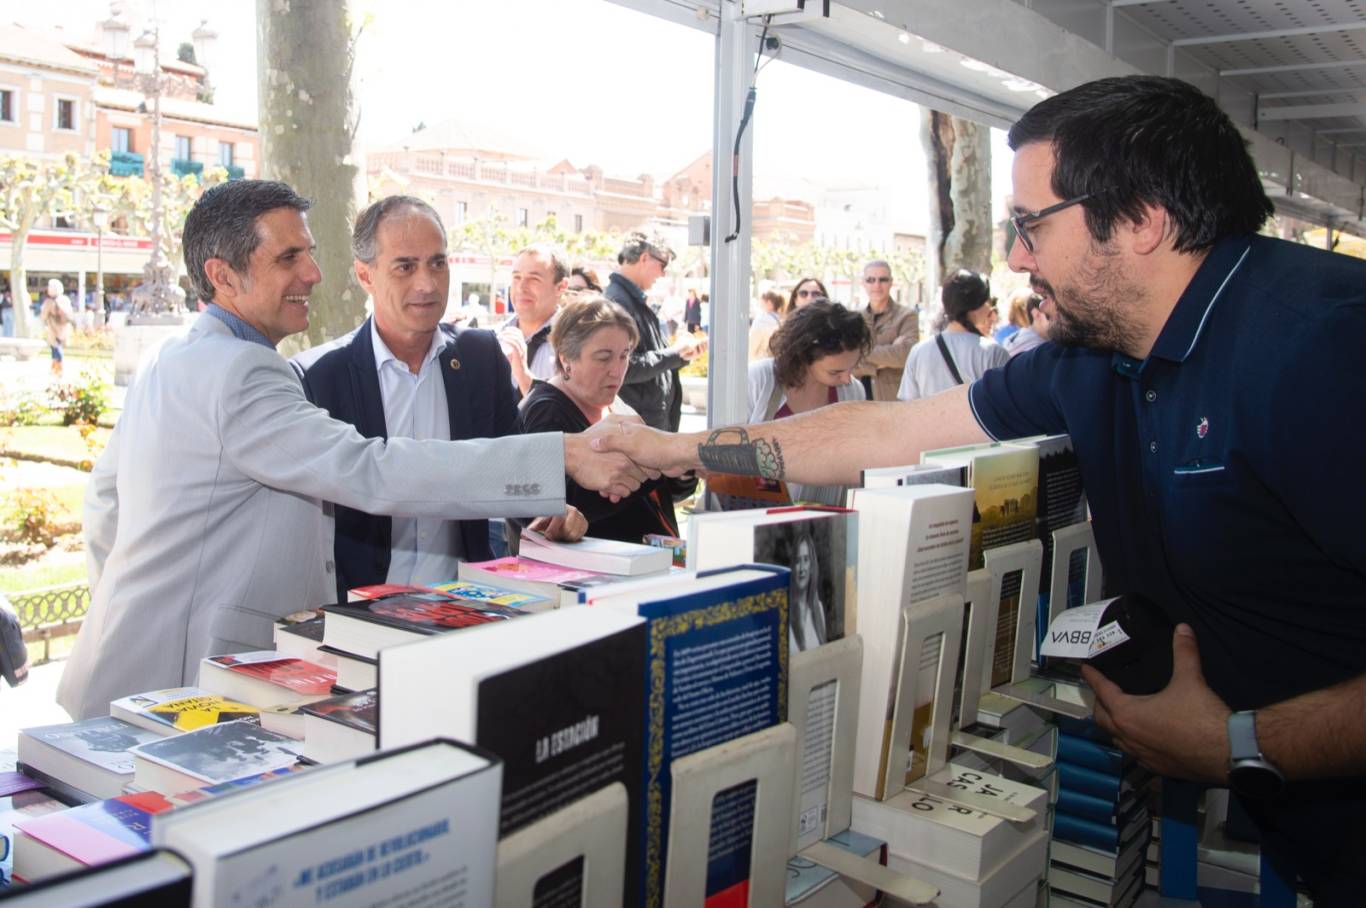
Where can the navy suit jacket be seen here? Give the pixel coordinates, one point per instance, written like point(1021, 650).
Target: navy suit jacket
point(341, 378)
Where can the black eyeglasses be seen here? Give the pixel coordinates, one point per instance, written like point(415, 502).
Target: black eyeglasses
point(805, 294)
point(663, 262)
point(1022, 221)
point(877, 280)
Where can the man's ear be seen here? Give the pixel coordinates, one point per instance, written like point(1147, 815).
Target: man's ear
point(222, 277)
point(1151, 231)
point(363, 275)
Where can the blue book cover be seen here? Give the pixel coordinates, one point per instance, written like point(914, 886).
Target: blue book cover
point(1069, 828)
point(1090, 754)
point(716, 669)
point(1088, 807)
point(1088, 781)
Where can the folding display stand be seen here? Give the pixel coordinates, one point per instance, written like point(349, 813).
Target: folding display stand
point(838, 663)
point(1024, 558)
point(592, 828)
point(1066, 542)
point(942, 616)
point(768, 758)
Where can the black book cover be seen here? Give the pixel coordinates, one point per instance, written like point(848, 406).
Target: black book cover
point(312, 629)
point(567, 726)
point(353, 710)
point(423, 613)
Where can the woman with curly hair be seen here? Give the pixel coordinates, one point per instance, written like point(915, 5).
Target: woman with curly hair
point(814, 355)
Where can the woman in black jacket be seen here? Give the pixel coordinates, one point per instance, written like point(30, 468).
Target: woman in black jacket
point(593, 339)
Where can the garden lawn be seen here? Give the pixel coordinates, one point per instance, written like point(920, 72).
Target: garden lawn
point(55, 444)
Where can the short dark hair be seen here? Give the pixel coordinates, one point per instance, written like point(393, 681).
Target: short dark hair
point(365, 236)
point(818, 329)
point(559, 268)
point(1134, 140)
point(792, 297)
point(964, 292)
point(222, 225)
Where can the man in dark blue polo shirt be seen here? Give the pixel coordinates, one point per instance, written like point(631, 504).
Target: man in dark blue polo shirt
point(1209, 378)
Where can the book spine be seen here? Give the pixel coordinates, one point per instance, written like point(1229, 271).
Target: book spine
point(1099, 810)
point(1069, 828)
point(1081, 752)
point(1088, 781)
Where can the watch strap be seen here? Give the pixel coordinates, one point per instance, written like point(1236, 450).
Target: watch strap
point(1242, 737)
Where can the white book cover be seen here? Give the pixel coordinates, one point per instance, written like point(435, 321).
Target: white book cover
point(961, 841)
point(1022, 868)
point(918, 551)
point(103, 742)
point(411, 827)
point(609, 556)
point(221, 753)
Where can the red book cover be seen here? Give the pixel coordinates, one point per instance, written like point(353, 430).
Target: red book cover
point(425, 613)
point(297, 675)
point(376, 590)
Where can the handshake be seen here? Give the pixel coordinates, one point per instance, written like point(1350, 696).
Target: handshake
point(617, 454)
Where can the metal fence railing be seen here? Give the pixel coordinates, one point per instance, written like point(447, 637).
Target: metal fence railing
point(49, 613)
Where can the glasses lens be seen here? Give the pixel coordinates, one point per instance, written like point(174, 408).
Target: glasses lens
point(805, 294)
point(1022, 232)
point(877, 280)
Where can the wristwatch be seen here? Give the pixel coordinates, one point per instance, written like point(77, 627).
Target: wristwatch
point(1249, 773)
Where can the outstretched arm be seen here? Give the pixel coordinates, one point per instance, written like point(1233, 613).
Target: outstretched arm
point(828, 446)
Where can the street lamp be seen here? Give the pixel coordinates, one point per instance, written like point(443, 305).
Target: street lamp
point(158, 295)
point(100, 215)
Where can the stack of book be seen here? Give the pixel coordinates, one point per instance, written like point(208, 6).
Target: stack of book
point(1101, 824)
point(355, 632)
point(976, 860)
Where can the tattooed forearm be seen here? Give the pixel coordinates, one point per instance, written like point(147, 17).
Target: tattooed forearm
point(730, 450)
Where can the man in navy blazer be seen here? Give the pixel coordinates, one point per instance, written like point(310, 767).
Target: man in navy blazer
point(404, 373)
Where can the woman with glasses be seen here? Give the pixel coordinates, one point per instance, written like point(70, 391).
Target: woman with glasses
point(895, 329)
point(814, 355)
point(808, 290)
point(962, 351)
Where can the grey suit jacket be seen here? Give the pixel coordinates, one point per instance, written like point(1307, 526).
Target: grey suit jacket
point(204, 518)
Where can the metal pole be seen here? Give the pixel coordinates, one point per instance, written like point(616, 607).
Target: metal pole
point(99, 273)
point(727, 385)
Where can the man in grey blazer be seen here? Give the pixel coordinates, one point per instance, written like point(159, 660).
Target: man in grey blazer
point(204, 518)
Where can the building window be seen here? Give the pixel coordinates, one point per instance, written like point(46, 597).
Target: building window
point(66, 113)
point(225, 150)
point(121, 139)
point(578, 223)
point(6, 105)
point(462, 212)
point(182, 148)
point(522, 217)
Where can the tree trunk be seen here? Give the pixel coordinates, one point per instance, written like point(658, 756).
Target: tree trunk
point(958, 153)
point(25, 325)
point(308, 122)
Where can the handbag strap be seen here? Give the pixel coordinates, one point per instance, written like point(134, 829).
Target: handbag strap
point(948, 359)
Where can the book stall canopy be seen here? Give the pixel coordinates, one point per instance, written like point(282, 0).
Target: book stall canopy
point(990, 60)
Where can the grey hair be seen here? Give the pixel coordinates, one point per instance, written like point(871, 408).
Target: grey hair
point(638, 244)
point(365, 238)
point(559, 268)
point(222, 225)
point(877, 263)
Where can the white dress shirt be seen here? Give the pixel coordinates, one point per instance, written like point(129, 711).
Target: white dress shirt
point(424, 550)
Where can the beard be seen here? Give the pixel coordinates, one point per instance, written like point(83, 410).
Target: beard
point(1097, 308)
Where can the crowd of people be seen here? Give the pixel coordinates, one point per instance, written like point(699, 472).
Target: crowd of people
point(1193, 362)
